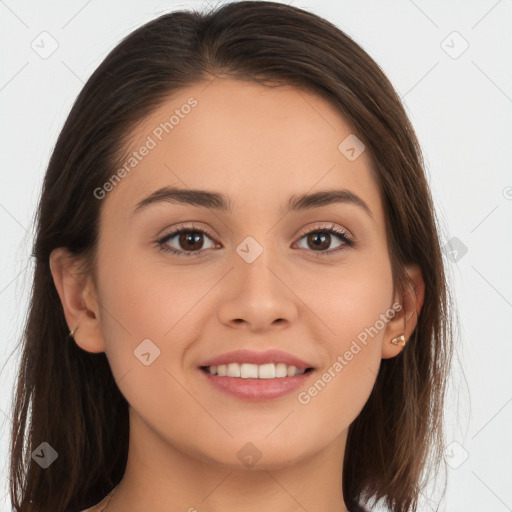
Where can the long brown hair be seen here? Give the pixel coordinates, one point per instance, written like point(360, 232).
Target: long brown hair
point(68, 398)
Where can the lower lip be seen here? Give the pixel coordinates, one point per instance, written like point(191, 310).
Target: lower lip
point(257, 389)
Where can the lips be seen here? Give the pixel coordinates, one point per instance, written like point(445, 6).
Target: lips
point(256, 376)
point(273, 356)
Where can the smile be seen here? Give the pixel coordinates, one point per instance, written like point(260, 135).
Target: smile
point(255, 371)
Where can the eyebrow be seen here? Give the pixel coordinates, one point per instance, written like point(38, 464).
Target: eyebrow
point(221, 202)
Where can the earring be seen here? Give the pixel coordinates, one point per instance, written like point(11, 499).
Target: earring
point(399, 339)
point(72, 333)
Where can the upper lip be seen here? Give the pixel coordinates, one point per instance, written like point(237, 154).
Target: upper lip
point(250, 356)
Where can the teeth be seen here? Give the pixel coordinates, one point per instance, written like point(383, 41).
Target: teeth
point(290, 371)
point(281, 370)
point(254, 371)
point(233, 370)
point(267, 371)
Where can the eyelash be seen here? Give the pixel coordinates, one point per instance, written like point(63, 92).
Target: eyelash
point(332, 230)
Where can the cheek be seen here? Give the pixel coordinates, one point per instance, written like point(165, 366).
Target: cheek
point(142, 296)
point(140, 312)
point(348, 303)
point(144, 322)
point(355, 313)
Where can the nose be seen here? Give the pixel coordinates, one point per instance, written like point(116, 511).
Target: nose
point(257, 296)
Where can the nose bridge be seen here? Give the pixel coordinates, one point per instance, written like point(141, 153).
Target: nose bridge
point(256, 258)
point(258, 294)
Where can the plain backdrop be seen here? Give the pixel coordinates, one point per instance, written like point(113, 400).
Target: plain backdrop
point(450, 62)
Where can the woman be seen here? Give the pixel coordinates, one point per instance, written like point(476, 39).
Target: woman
point(236, 230)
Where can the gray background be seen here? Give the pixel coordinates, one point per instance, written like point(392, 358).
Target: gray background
point(460, 102)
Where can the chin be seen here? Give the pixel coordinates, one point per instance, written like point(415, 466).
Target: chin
point(256, 454)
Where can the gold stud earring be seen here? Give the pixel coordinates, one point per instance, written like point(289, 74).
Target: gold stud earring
point(72, 333)
point(399, 339)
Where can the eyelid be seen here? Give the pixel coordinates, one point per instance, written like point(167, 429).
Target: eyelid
point(326, 226)
point(189, 226)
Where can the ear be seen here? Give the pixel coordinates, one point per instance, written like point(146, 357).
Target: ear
point(405, 320)
point(78, 297)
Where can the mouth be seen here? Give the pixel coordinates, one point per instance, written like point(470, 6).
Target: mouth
point(255, 371)
point(256, 375)
point(256, 383)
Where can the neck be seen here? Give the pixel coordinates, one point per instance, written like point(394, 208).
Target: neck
point(160, 477)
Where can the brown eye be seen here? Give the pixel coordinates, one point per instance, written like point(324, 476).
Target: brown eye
point(189, 240)
point(320, 239)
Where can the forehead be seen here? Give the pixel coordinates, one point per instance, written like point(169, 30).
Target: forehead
point(255, 143)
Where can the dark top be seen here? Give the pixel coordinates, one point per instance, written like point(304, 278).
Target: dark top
point(359, 508)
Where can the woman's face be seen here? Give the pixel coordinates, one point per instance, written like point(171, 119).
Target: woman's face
point(254, 280)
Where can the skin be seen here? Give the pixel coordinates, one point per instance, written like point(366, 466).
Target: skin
point(259, 146)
